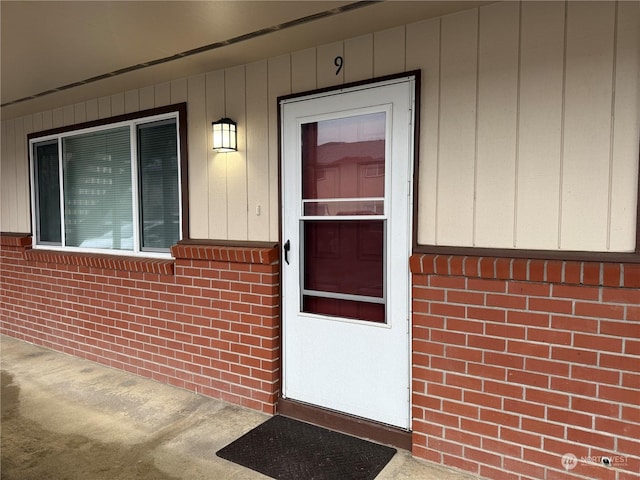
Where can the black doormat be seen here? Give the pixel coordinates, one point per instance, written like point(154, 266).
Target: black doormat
point(287, 449)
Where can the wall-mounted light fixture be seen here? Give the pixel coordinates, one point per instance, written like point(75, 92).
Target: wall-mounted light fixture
point(225, 135)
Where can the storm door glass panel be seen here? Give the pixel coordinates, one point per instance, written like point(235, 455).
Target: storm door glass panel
point(343, 222)
point(158, 172)
point(47, 179)
point(344, 269)
point(98, 190)
point(343, 166)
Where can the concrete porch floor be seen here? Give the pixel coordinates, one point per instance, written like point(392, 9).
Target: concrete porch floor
point(68, 418)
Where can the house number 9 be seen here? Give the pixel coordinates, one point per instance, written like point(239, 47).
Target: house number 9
point(338, 61)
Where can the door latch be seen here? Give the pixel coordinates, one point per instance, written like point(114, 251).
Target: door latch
point(286, 247)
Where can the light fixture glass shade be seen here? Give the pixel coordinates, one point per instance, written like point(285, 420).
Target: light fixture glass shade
point(225, 135)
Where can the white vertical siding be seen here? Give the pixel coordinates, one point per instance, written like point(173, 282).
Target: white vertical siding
point(22, 176)
point(80, 113)
point(24, 192)
point(68, 115)
point(359, 51)
point(91, 111)
point(198, 162)
point(117, 104)
point(326, 66)
point(259, 184)
point(587, 125)
point(389, 51)
point(457, 129)
point(236, 165)
point(58, 117)
point(496, 158)
point(47, 120)
point(626, 125)
point(278, 84)
point(216, 185)
point(529, 127)
point(527, 144)
point(178, 91)
point(8, 210)
point(37, 122)
point(11, 198)
point(131, 101)
point(540, 124)
point(104, 107)
point(303, 70)
point(147, 98)
point(162, 94)
point(423, 53)
point(5, 184)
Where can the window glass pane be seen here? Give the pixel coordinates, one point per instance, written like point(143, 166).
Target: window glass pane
point(334, 307)
point(344, 158)
point(159, 192)
point(97, 190)
point(344, 268)
point(47, 179)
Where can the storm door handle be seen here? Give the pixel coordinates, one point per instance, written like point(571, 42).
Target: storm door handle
point(286, 247)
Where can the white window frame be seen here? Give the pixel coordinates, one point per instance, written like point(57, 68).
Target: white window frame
point(132, 124)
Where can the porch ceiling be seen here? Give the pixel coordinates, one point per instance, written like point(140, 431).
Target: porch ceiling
point(47, 46)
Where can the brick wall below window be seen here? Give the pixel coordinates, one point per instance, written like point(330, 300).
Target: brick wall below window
point(206, 321)
point(519, 362)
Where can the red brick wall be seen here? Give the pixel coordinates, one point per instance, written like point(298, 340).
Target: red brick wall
point(519, 362)
point(515, 362)
point(207, 321)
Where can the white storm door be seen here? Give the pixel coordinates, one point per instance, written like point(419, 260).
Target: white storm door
point(346, 231)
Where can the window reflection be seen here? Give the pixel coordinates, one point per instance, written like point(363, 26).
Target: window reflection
point(344, 158)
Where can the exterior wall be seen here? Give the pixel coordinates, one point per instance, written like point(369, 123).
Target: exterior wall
point(529, 139)
point(519, 362)
point(530, 121)
point(207, 322)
